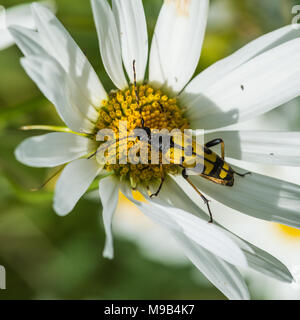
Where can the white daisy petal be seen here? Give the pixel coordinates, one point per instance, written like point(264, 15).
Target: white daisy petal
point(58, 87)
point(223, 275)
point(265, 263)
point(131, 22)
point(177, 42)
point(220, 273)
point(73, 183)
point(28, 41)
point(254, 88)
point(6, 39)
point(258, 196)
point(20, 15)
point(221, 68)
point(58, 43)
point(109, 195)
point(208, 236)
point(109, 42)
point(173, 195)
point(275, 148)
point(53, 149)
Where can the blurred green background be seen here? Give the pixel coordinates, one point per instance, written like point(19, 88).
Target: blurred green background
point(50, 257)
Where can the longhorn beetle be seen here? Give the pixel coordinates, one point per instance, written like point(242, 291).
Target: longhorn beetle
point(215, 168)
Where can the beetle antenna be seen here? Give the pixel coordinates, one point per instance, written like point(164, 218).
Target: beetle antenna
point(137, 95)
point(47, 181)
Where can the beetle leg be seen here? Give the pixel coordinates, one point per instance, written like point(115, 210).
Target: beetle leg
point(162, 176)
point(206, 201)
point(242, 174)
point(216, 142)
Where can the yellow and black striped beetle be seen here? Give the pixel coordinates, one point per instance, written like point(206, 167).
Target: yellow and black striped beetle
point(214, 168)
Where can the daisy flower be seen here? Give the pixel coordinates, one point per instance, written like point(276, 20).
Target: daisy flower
point(17, 15)
point(257, 78)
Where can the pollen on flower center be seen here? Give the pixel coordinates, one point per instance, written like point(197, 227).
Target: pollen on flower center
point(158, 110)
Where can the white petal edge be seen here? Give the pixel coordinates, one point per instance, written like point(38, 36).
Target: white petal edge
point(174, 194)
point(17, 15)
point(58, 43)
point(59, 88)
point(53, 149)
point(109, 42)
point(274, 148)
point(74, 181)
point(6, 39)
point(258, 196)
point(208, 236)
point(258, 86)
point(220, 273)
point(177, 42)
point(132, 27)
point(256, 47)
point(27, 40)
point(21, 15)
point(109, 195)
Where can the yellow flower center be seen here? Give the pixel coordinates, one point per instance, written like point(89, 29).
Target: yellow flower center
point(158, 111)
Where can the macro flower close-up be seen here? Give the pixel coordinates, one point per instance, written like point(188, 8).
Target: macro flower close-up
point(155, 85)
